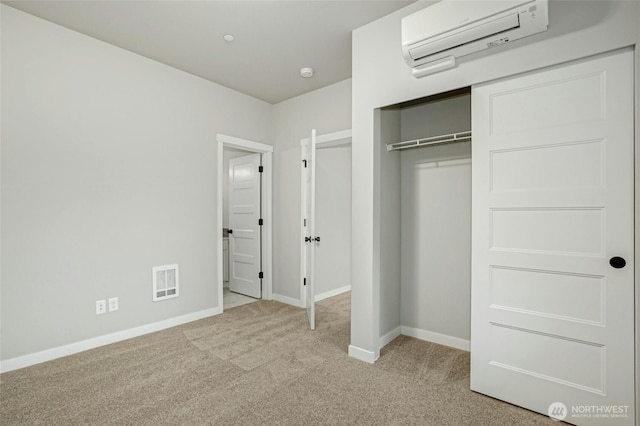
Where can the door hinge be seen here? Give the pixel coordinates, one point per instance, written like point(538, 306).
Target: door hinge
point(305, 163)
point(260, 222)
point(260, 169)
point(304, 281)
point(260, 275)
point(305, 222)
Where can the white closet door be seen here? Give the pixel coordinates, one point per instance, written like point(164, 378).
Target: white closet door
point(244, 234)
point(552, 319)
point(308, 229)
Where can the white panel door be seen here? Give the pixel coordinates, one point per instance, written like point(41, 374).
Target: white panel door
point(244, 229)
point(552, 319)
point(308, 224)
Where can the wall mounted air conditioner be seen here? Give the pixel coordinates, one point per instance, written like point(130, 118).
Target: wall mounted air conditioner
point(434, 37)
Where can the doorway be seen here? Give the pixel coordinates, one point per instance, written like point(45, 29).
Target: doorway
point(325, 250)
point(244, 148)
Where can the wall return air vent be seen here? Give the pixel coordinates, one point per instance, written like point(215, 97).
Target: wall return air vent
point(166, 282)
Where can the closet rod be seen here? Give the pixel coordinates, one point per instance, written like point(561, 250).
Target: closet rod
point(434, 140)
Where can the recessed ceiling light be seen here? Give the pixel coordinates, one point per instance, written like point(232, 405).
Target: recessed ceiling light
point(306, 72)
point(228, 37)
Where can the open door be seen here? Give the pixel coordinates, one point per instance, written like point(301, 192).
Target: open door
point(308, 223)
point(553, 241)
point(245, 273)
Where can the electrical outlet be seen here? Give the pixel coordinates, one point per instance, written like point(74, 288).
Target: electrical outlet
point(113, 304)
point(101, 307)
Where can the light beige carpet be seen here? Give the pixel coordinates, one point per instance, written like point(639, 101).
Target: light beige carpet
point(256, 364)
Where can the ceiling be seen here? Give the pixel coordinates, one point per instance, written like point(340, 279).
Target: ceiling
point(273, 39)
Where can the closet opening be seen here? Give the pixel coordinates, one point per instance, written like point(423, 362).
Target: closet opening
point(425, 158)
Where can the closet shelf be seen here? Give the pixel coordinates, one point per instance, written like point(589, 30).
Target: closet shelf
point(434, 140)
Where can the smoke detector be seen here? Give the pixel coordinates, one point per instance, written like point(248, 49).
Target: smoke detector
point(306, 72)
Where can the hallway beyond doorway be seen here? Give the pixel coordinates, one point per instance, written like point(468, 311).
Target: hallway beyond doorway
point(231, 299)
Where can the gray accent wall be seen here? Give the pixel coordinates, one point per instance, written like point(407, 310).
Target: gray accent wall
point(108, 169)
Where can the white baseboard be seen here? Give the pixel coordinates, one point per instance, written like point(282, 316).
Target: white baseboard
point(363, 354)
point(331, 293)
point(73, 348)
point(288, 300)
point(388, 338)
point(441, 339)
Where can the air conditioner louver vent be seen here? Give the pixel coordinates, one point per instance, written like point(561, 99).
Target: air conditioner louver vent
point(491, 28)
point(434, 37)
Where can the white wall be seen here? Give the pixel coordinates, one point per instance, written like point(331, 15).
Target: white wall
point(389, 125)
point(435, 117)
point(327, 110)
point(436, 223)
point(108, 169)
point(333, 220)
point(436, 245)
point(381, 78)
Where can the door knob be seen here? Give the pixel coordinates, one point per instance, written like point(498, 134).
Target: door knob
point(617, 262)
point(316, 239)
point(307, 239)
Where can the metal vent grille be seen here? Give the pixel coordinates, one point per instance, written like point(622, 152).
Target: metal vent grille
point(166, 283)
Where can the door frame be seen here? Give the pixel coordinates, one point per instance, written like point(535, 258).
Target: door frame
point(267, 213)
point(342, 137)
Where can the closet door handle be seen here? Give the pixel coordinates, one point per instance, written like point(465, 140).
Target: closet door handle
point(617, 262)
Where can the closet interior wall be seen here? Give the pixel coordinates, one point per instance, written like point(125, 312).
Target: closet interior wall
point(434, 220)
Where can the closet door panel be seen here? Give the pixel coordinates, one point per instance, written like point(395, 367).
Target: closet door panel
point(552, 320)
point(519, 169)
